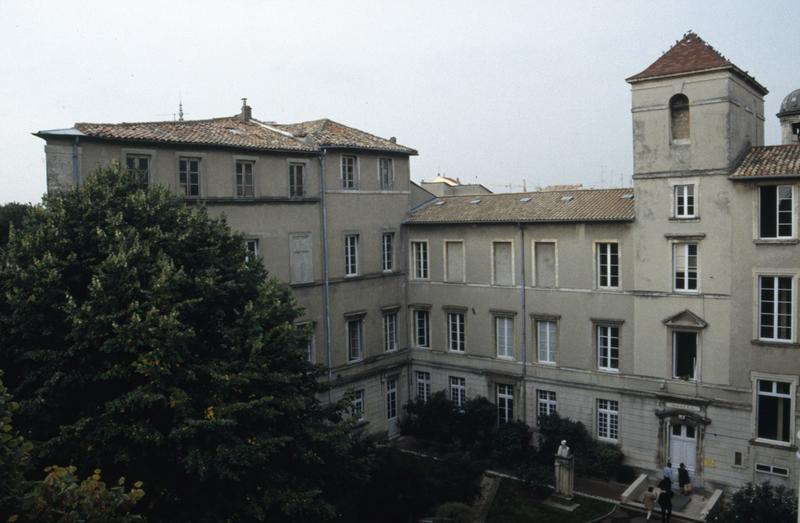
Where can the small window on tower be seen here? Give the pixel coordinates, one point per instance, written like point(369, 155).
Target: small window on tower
point(679, 117)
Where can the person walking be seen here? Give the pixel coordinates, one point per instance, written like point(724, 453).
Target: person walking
point(668, 473)
point(683, 480)
point(649, 501)
point(665, 502)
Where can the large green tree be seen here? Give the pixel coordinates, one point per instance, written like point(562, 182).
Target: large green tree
point(137, 339)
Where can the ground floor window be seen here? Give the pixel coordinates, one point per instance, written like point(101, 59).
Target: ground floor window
point(358, 403)
point(505, 403)
point(608, 419)
point(458, 390)
point(774, 410)
point(545, 402)
point(391, 399)
point(423, 385)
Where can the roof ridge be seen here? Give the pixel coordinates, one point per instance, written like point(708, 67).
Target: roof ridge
point(218, 118)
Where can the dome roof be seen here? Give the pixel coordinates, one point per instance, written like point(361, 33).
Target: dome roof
point(791, 104)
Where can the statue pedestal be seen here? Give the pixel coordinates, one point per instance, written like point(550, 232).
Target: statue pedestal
point(565, 477)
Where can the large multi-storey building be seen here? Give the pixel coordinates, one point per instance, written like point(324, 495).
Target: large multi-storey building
point(662, 316)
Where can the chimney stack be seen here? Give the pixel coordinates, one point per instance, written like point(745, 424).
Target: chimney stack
point(393, 139)
point(247, 112)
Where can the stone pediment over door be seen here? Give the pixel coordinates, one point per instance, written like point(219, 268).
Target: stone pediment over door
point(685, 320)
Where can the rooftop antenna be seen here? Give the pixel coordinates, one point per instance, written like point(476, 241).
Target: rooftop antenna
point(180, 110)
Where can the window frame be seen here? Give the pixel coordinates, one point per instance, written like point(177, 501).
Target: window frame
point(508, 336)
point(537, 319)
point(676, 197)
point(513, 261)
point(760, 305)
point(504, 402)
point(184, 183)
point(137, 171)
point(356, 321)
point(793, 220)
point(534, 281)
point(351, 184)
point(456, 337)
point(390, 331)
point(420, 260)
point(792, 381)
point(458, 390)
point(387, 251)
point(351, 265)
point(417, 315)
point(390, 185)
point(240, 178)
point(391, 399)
point(446, 258)
point(604, 409)
point(607, 274)
point(696, 368)
point(358, 409)
point(598, 337)
point(547, 399)
point(423, 381)
point(685, 257)
point(248, 242)
point(293, 186)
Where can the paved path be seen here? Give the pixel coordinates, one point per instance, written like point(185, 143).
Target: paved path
point(628, 515)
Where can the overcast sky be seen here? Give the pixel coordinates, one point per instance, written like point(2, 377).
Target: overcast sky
point(494, 92)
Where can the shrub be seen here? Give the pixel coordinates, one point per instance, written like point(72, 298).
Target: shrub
point(511, 443)
point(454, 513)
point(432, 420)
point(762, 502)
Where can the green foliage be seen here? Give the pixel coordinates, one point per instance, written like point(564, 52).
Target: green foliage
point(11, 214)
point(431, 420)
point(141, 342)
point(14, 452)
point(763, 502)
point(454, 513)
point(511, 443)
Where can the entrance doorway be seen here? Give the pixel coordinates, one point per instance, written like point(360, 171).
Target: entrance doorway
point(683, 446)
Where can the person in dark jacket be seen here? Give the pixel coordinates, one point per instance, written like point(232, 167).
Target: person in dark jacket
point(683, 480)
point(665, 502)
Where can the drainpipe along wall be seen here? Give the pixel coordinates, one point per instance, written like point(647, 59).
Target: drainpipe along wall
point(524, 343)
point(325, 273)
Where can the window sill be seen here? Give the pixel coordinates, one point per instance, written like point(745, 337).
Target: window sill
point(450, 351)
point(776, 241)
point(608, 440)
point(681, 141)
point(608, 371)
point(687, 292)
point(684, 218)
point(775, 344)
point(780, 445)
point(505, 358)
point(548, 363)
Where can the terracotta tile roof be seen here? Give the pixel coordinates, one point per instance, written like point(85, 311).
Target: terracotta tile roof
point(234, 132)
point(584, 205)
point(691, 54)
point(769, 161)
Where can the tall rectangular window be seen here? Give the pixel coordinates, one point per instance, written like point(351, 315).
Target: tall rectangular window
point(386, 173)
point(775, 307)
point(505, 403)
point(545, 264)
point(504, 336)
point(607, 347)
point(608, 419)
point(349, 172)
point(458, 390)
point(684, 355)
point(502, 265)
point(775, 212)
point(358, 404)
point(138, 166)
point(455, 331)
point(684, 201)
point(387, 253)
point(244, 179)
point(419, 253)
point(545, 403)
point(355, 339)
point(351, 255)
point(421, 328)
point(391, 399)
point(423, 385)
point(546, 340)
point(390, 331)
point(251, 246)
point(607, 265)
point(300, 259)
point(774, 410)
point(297, 182)
point(454, 263)
point(189, 176)
point(684, 261)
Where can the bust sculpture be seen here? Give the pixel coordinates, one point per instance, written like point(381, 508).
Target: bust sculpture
point(563, 449)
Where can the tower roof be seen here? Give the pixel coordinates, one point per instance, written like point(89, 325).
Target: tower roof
point(790, 104)
point(692, 54)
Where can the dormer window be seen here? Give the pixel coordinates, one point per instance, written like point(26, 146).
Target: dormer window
point(679, 117)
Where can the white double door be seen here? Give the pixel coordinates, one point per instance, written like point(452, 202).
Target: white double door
point(682, 446)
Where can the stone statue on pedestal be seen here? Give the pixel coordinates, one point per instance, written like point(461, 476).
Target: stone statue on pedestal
point(565, 473)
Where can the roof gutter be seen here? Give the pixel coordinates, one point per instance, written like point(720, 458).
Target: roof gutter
point(761, 178)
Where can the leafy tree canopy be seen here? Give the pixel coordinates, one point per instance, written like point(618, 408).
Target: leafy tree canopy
point(138, 340)
point(11, 214)
point(763, 502)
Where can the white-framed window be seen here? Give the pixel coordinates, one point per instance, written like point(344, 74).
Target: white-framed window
point(349, 172)
point(608, 347)
point(244, 179)
point(774, 410)
point(546, 335)
point(772, 469)
point(505, 403)
point(504, 336)
point(419, 256)
point(608, 420)
point(455, 332)
point(355, 339)
point(454, 262)
point(391, 398)
point(685, 257)
point(251, 246)
point(684, 201)
point(684, 355)
point(386, 173)
point(310, 344)
point(387, 251)
point(458, 390)
point(775, 212)
point(422, 333)
point(358, 403)
point(775, 302)
point(390, 331)
point(297, 180)
point(545, 402)
point(351, 255)
point(189, 175)
point(608, 265)
point(138, 166)
point(423, 385)
point(502, 263)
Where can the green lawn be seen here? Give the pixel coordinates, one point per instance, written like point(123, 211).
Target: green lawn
point(517, 502)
